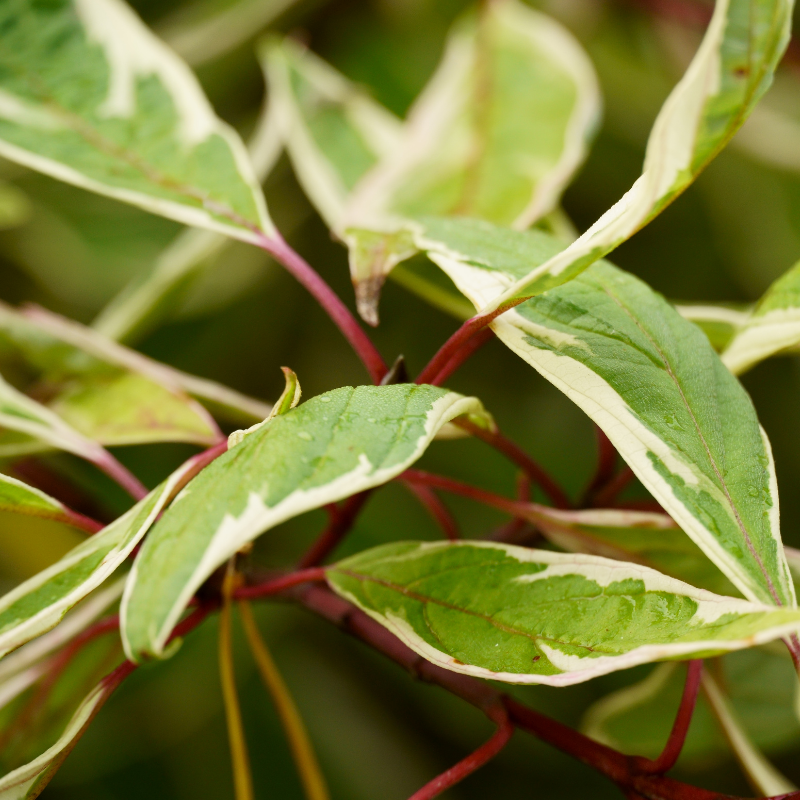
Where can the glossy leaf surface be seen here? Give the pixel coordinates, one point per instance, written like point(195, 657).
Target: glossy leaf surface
point(497, 134)
point(39, 604)
point(139, 129)
point(651, 380)
point(328, 448)
point(532, 616)
point(731, 70)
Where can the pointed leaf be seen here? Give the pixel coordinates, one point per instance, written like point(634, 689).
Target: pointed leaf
point(29, 780)
point(497, 134)
point(730, 72)
point(637, 719)
point(60, 349)
point(333, 131)
point(533, 616)
point(20, 498)
point(773, 327)
point(653, 540)
point(39, 604)
point(139, 129)
point(328, 448)
point(651, 380)
point(147, 300)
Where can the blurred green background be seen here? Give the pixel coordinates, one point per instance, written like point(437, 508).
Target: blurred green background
point(378, 733)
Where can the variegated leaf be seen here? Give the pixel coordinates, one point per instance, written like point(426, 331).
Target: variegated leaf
point(30, 780)
point(139, 129)
point(60, 349)
point(20, 498)
point(148, 299)
point(653, 540)
point(651, 380)
point(730, 72)
point(328, 448)
point(533, 616)
point(38, 604)
point(637, 718)
point(719, 323)
point(772, 328)
point(333, 131)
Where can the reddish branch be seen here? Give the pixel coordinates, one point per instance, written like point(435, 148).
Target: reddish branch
point(437, 509)
point(461, 355)
point(342, 520)
point(513, 452)
point(330, 302)
point(461, 338)
point(606, 463)
point(473, 762)
point(669, 755)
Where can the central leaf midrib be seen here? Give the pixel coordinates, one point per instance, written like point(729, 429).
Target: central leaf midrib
point(711, 459)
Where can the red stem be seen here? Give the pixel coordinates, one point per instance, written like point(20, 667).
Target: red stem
point(330, 302)
point(513, 452)
point(281, 584)
point(473, 762)
point(669, 755)
point(606, 463)
point(608, 494)
point(437, 509)
point(461, 355)
point(339, 526)
point(84, 523)
point(513, 507)
point(121, 475)
point(460, 338)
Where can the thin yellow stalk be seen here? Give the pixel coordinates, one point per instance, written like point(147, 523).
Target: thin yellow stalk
point(296, 734)
point(242, 778)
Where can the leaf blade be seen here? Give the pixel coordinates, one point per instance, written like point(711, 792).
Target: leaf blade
point(530, 616)
point(330, 447)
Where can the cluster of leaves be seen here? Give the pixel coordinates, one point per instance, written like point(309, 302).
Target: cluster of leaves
point(472, 179)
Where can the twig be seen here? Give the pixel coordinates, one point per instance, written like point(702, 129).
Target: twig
point(121, 475)
point(296, 734)
point(607, 496)
point(242, 776)
point(460, 338)
point(330, 302)
point(437, 509)
point(473, 762)
point(604, 473)
point(341, 523)
point(513, 452)
point(669, 755)
point(278, 585)
point(461, 355)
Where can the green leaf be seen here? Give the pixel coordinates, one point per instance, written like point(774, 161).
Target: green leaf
point(64, 352)
point(333, 131)
point(20, 498)
point(651, 380)
point(497, 134)
point(202, 32)
point(328, 448)
point(719, 323)
point(29, 780)
point(653, 540)
point(25, 666)
point(773, 327)
point(38, 604)
point(149, 299)
point(637, 719)
point(90, 96)
point(532, 616)
point(730, 72)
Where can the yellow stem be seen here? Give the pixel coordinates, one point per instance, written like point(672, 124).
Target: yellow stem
point(300, 744)
point(242, 778)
